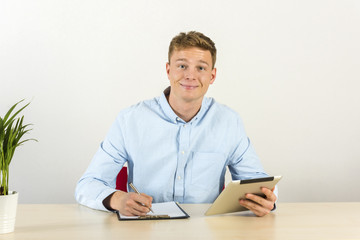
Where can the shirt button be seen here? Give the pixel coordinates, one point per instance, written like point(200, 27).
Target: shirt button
point(182, 152)
point(179, 177)
point(184, 126)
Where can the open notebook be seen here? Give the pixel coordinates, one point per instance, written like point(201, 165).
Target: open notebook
point(165, 210)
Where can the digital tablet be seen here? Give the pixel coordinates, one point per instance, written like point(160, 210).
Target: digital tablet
point(228, 200)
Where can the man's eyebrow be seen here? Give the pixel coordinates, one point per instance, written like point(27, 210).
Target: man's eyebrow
point(205, 62)
point(185, 60)
point(181, 60)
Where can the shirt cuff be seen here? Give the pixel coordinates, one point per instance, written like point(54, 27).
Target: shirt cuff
point(101, 198)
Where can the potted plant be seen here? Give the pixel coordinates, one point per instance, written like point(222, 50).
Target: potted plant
point(12, 130)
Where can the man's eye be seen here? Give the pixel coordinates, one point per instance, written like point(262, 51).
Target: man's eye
point(182, 66)
point(201, 68)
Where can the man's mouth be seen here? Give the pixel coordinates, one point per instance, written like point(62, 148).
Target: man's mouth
point(188, 87)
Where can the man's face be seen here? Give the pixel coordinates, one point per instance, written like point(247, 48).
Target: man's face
point(190, 73)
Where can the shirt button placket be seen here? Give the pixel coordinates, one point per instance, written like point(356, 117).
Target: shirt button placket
point(182, 158)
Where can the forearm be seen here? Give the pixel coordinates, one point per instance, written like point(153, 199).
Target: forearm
point(91, 193)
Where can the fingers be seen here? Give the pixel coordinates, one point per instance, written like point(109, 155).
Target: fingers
point(132, 204)
point(138, 204)
point(135, 208)
point(257, 209)
point(261, 206)
point(148, 200)
point(141, 199)
point(269, 194)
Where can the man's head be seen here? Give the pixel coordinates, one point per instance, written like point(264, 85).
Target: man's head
point(190, 40)
point(190, 69)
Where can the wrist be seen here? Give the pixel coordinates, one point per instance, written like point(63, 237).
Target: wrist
point(112, 202)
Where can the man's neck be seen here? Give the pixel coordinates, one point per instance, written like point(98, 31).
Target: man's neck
point(185, 110)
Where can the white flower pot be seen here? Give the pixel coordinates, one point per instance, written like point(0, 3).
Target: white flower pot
point(8, 206)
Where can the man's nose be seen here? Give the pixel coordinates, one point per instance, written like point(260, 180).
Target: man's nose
point(190, 74)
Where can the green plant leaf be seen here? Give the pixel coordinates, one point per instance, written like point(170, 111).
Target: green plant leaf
point(6, 120)
point(12, 131)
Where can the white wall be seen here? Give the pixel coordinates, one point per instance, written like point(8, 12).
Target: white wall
point(290, 68)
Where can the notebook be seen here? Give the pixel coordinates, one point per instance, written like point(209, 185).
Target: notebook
point(165, 210)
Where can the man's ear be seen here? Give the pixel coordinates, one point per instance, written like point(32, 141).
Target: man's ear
point(168, 69)
point(213, 75)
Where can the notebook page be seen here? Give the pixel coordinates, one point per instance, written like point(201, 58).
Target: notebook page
point(165, 208)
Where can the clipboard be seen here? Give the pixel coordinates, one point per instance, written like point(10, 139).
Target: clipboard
point(228, 200)
point(165, 210)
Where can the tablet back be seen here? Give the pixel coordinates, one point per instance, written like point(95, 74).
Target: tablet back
point(228, 200)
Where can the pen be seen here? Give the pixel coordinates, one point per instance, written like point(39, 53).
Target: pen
point(135, 190)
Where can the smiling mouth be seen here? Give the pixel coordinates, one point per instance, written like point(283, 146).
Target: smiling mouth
point(188, 87)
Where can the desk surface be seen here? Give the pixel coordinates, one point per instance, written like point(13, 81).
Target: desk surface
point(289, 221)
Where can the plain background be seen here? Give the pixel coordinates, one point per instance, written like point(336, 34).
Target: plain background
point(290, 68)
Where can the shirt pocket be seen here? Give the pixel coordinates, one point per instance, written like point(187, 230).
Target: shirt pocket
point(206, 169)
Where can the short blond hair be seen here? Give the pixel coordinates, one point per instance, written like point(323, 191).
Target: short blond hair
point(192, 39)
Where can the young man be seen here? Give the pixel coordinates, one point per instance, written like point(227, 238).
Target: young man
point(178, 145)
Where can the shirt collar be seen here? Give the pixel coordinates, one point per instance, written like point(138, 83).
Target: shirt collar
point(173, 117)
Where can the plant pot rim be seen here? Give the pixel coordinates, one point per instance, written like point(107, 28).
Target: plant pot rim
point(10, 193)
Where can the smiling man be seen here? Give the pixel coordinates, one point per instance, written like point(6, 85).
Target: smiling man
point(177, 146)
point(190, 73)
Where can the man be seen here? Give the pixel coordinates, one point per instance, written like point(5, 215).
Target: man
point(177, 146)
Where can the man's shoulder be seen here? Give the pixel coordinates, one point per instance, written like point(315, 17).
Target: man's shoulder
point(222, 109)
point(141, 107)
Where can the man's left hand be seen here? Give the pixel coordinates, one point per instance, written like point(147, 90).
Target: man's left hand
point(261, 206)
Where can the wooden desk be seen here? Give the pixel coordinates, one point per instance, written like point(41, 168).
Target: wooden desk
point(289, 221)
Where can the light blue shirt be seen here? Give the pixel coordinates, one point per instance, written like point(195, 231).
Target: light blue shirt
point(168, 158)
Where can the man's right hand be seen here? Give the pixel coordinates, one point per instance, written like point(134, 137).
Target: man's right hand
point(129, 204)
